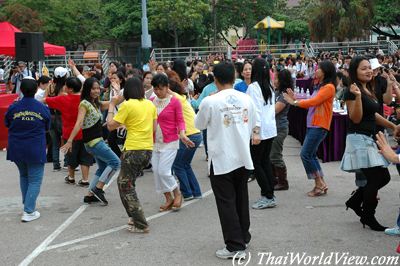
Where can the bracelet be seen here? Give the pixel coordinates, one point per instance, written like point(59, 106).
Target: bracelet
point(69, 141)
point(111, 112)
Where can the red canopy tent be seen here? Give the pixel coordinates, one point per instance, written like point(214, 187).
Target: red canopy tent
point(7, 42)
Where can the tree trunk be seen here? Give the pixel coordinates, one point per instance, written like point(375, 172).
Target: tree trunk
point(176, 37)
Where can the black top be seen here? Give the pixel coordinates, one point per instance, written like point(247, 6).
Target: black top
point(94, 132)
point(380, 89)
point(370, 106)
point(202, 81)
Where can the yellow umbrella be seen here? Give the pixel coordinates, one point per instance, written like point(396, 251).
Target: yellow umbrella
point(270, 23)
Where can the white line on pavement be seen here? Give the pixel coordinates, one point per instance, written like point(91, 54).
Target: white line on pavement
point(42, 247)
point(115, 229)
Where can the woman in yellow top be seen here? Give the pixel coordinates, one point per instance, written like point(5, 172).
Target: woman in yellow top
point(138, 115)
point(182, 167)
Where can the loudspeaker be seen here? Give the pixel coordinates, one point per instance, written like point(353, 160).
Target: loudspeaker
point(29, 46)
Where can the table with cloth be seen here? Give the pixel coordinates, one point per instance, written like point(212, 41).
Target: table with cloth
point(5, 101)
point(333, 146)
point(304, 84)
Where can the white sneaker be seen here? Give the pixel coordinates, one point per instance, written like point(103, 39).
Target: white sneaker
point(226, 254)
point(28, 217)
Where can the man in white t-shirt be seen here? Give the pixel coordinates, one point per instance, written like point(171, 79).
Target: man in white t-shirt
point(230, 119)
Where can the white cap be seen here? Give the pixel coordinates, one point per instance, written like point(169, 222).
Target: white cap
point(374, 63)
point(60, 72)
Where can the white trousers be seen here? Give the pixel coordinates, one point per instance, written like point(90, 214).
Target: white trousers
point(162, 164)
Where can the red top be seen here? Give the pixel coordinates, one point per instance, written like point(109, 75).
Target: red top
point(68, 105)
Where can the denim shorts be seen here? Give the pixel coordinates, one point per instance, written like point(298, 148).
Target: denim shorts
point(361, 152)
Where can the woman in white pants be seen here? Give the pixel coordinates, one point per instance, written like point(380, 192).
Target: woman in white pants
point(170, 128)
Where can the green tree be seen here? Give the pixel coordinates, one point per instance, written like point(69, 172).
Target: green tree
point(234, 14)
point(19, 15)
point(387, 13)
point(69, 23)
point(340, 19)
point(122, 18)
point(296, 19)
point(176, 16)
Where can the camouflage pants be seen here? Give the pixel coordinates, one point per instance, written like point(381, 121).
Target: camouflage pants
point(132, 162)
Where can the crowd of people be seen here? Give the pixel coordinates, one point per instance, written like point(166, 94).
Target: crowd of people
point(132, 119)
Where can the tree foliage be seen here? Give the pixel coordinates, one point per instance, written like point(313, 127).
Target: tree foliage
point(176, 16)
point(122, 18)
point(386, 13)
point(340, 19)
point(22, 17)
point(234, 14)
point(74, 23)
point(70, 23)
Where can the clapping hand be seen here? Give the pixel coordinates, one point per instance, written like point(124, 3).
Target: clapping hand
point(152, 65)
point(385, 149)
point(289, 96)
point(355, 89)
point(116, 87)
point(71, 63)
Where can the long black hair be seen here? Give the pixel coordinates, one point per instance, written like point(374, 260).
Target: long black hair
point(329, 70)
point(260, 73)
point(85, 93)
point(354, 64)
point(58, 85)
point(285, 80)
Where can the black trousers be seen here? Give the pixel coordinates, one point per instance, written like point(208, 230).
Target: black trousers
point(263, 167)
point(232, 198)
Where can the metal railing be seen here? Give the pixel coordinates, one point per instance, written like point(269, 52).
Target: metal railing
point(358, 47)
point(55, 61)
point(190, 53)
point(6, 62)
point(392, 47)
point(309, 50)
point(79, 59)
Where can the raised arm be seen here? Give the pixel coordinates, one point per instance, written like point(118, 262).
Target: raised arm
point(354, 108)
point(325, 93)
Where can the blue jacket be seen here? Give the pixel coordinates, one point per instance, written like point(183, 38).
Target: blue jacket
point(27, 121)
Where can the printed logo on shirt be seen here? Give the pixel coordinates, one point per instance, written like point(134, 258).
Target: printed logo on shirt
point(27, 116)
point(234, 114)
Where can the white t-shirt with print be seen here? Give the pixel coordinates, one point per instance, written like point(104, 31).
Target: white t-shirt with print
point(229, 117)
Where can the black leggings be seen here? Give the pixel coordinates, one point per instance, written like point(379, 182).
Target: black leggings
point(377, 178)
point(263, 167)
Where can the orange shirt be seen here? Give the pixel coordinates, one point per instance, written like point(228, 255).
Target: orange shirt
point(323, 102)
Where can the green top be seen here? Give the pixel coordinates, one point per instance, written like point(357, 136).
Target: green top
point(92, 114)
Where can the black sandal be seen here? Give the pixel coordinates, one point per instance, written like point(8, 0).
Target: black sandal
point(68, 180)
point(83, 183)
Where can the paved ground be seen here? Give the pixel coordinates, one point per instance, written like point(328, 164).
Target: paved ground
point(70, 233)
